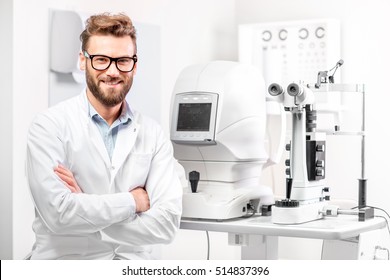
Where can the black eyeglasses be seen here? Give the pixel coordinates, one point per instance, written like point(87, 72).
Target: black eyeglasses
point(103, 62)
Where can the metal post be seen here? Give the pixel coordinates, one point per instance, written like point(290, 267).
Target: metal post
point(363, 181)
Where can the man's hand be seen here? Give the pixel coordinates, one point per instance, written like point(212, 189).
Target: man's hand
point(141, 198)
point(67, 176)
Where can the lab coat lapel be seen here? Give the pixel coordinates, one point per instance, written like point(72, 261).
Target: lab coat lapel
point(93, 131)
point(98, 143)
point(123, 146)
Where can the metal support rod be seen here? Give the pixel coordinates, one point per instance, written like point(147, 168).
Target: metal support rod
point(363, 155)
point(347, 212)
point(362, 184)
point(358, 88)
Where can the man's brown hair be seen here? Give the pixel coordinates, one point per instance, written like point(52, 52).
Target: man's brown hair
point(118, 25)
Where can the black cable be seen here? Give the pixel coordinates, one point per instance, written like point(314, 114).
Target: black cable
point(337, 66)
point(250, 207)
point(378, 208)
point(383, 249)
point(248, 216)
point(208, 245)
point(387, 225)
point(381, 209)
point(335, 69)
point(388, 229)
point(244, 217)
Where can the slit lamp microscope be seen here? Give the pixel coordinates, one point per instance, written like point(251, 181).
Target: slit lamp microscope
point(306, 191)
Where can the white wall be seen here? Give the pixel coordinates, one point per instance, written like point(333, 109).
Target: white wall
point(6, 120)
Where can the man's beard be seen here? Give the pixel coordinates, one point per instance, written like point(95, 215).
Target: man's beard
point(109, 98)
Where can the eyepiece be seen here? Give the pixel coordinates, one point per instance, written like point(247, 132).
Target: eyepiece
point(294, 89)
point(275, 89)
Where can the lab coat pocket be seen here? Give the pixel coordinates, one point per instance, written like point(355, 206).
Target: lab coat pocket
point(138, 169)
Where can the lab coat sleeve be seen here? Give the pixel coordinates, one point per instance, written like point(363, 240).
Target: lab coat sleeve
point(62, 211)
point(159, 224)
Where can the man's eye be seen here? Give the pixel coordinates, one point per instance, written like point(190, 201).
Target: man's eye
point(124, 61)
point(101, 60)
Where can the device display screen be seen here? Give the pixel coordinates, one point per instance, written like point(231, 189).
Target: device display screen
point(194, 117)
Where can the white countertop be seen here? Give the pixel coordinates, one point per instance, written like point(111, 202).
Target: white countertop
point(340, 227)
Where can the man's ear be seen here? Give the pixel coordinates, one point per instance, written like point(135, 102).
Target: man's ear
point(82, 61)
point(135, 69)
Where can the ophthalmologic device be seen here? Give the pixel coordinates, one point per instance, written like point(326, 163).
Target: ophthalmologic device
point(306, 191)
point(218, 130)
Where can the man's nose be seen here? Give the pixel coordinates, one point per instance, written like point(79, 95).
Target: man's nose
point(112, 70)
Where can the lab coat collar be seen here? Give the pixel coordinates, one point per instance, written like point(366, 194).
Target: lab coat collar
point(92, 130)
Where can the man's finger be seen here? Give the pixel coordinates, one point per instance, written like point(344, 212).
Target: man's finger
point(63, 177)
point(63, 170)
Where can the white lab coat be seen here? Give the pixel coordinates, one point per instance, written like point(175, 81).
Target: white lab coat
point(100, 223)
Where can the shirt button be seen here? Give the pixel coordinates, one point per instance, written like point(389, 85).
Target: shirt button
point(112, 167)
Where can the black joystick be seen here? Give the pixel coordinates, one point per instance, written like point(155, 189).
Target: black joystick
point(288, 187)
point(287, 203)
point(194, 179)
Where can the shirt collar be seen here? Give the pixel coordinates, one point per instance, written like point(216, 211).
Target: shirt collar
point(126, 115)
point(124, 118)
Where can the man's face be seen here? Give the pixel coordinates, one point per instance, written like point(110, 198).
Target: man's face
point(109, 86)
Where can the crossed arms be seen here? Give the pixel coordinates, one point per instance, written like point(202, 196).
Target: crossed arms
point(140, 195)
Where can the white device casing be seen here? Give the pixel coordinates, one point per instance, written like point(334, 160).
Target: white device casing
point(231, 167)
